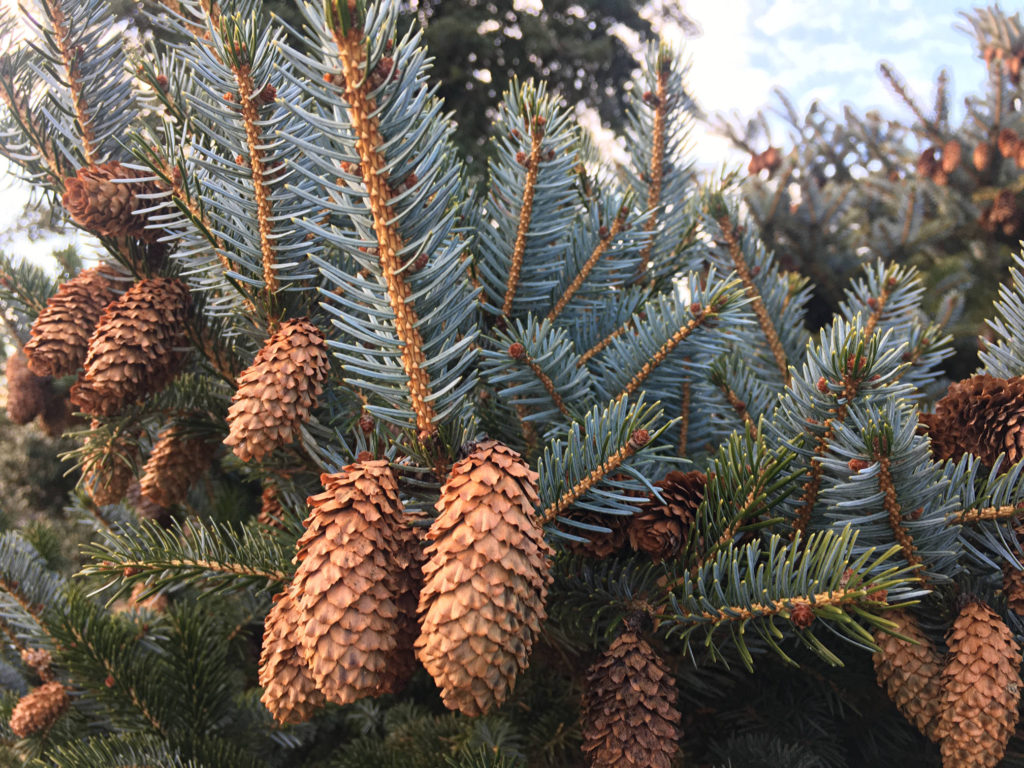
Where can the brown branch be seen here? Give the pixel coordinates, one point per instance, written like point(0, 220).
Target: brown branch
point(247, 96)
point(656, 170)
point(366, 126)
point(636, 441)
point(591, 262)
point(839, 597)
point(518, 352)
point(731, 235)
point(967, 516)
point(525, 213)
point(69, 57)
point(877, 308)
point(739, 406)
point(892, 507)
point(684, 418)
point(236, 569)
point(599, 347)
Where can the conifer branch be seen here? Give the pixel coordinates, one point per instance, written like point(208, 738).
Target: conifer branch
point(733, 613)
point(591, 262)
point(684, 418)
point(968, 516)
point(603, 343)
point(525, 212)
point(731, 235)
point(892, 507)
point(518, 352)
point(69, 58)
point(369, 143)
point(19, 107)
point(656, 170)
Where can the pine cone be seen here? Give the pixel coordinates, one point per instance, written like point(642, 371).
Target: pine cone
point(600, 545)
point(351, 563)
point(174, 464)
point(97, 202)
point(1013, 589)
point(60, 335)
point(27, 394)
point(276, 393)
point(982, 157)
point(271, 511)
point(106, 479)
point(927, 163)
point(1003, 207)
point(629, 716)
point(288, 689)
point(910, 673)
point(56, 415)
point(39, 709)
point(401, 663)
point(136, 347)
point(951, 153)
point(981, 689)
point(983, 415)
point(485, 580)
point(1007, 142)
point(661, 528)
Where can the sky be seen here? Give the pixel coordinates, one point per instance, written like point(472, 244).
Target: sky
point(813, 49)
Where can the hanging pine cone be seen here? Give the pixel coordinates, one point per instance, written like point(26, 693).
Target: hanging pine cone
point(982, 157)
point(485, 580)
point(276, 393)
point(108, 475)
point(1013, 589)
point(288, 689)
point(910, 672)
point(27, 394)
point(401, 662)
point(348, 616)
point(629, 716)
point(97, 200)
point(927, 163)
point(661, 528)
point(56, 416)
point(981, 689)
point(1007, 142)
point(271, 511)
point(983, 416)
point(60, 334)
point(174, 464)
point(1003, 207)
point(600, 545)
point(39, 709)
point(951, 153)
point(136, 348)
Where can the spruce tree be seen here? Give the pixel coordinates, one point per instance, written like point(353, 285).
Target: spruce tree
point(382, 472)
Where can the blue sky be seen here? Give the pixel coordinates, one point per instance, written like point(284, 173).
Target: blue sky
point(814, 49)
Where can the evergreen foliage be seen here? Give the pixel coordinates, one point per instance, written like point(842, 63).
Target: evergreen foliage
point(630, 335)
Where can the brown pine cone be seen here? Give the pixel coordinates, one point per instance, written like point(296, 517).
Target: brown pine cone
point(600, 545)
point(174, 464)
point(60, 335)
point(629, 716)
point(137, 347)
point(39, 709)
point(983, 416)
point(980, 689)
point(1003, 207)
point(951, 153)
point(485, 580)
point(660, 528)
point(352, 562)
point(27, 394)
point(910, 672)
point(401, 663)
point(277, 392)
point(1013, 589)
point(288, 689)
point(96, 200)
point(982, 157)
point(107, 477)
point(927, 163)
point(1007, 142)
point(56, 416)
point(271, 511)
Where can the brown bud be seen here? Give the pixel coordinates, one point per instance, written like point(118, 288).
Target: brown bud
point(517, 351)
point(521, 157)
point(802, 615)
point(822, 385)
point(639, 438)
point(267, 94)
point(229, 96)
point(366, 423)
point(857, 465)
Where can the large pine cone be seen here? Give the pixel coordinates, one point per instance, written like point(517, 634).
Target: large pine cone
point(661, 529)
point(981, 689)
point(39, 709)
point(60, 335)
point(629, 714)
point(137, 347)
point(174, 464)
point(485, 580)
point(983, 416)
point(107, 477)
point(97, 201)
point(352, 560)
point(27, 394)
point(277, 392)
point(288, 689)
point(910, 672)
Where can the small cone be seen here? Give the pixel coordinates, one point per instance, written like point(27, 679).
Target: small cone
point(276, 393)
point(910, 672)
point(661, 529)
point(27, 394)
point(600, 545)
point(981, 689)
point(629, 716)
point(60, 335)
point(982, 157)
point(352, 558)
point(38, 710)
point(106, 479)
point(288, 690)
point(1007, 141)
point(951, 153)
point(96, 200)
point(136, 348)
point(174, 464)
point(271, 511)
point(1013, 589)
point(485, 580)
